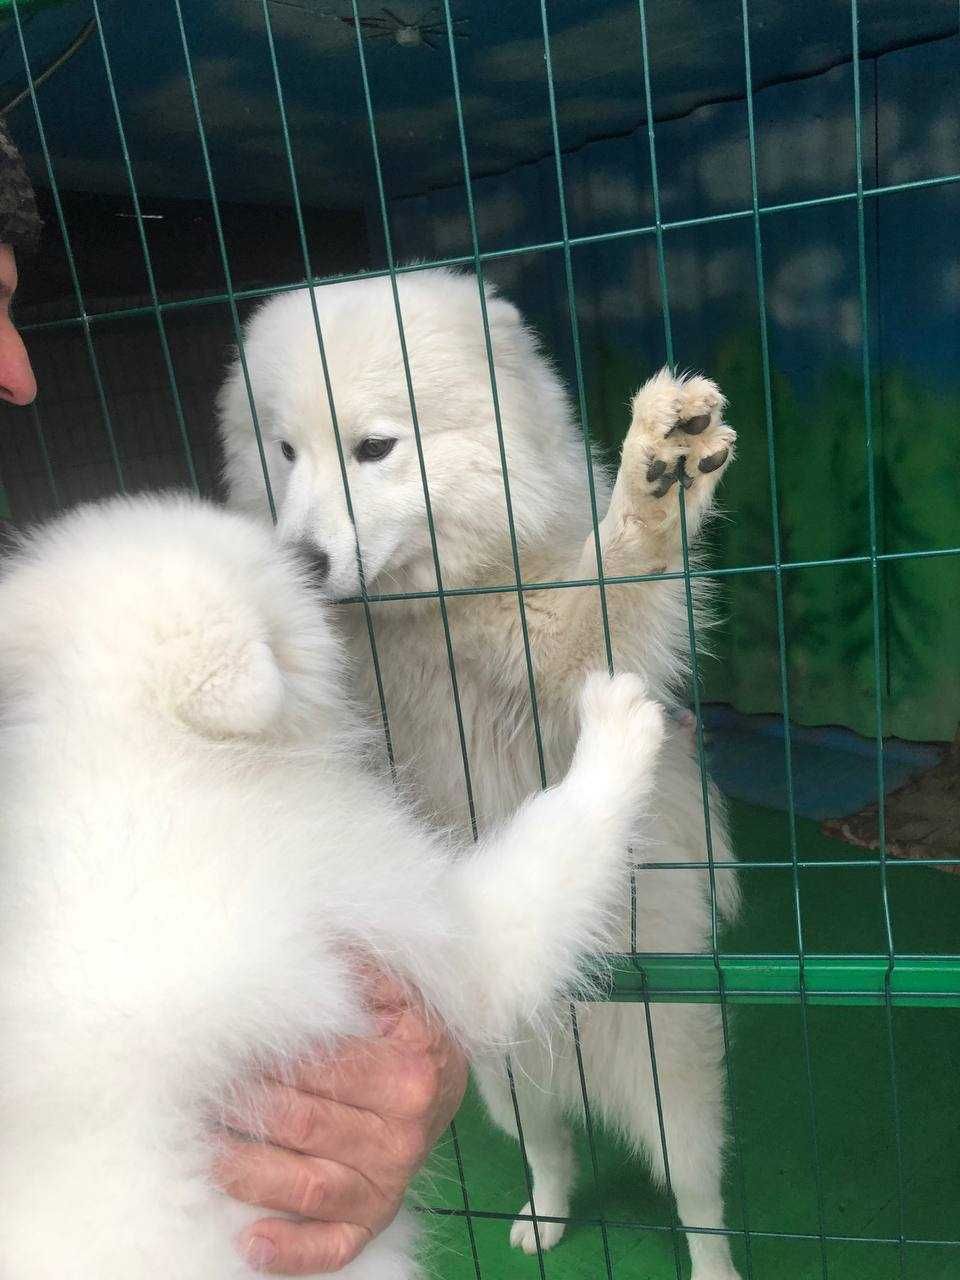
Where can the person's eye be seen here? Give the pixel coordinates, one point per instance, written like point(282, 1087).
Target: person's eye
point(288, 451)
point(374, 448)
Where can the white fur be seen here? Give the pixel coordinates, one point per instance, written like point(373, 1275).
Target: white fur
point(192, 849)
point(639, 533)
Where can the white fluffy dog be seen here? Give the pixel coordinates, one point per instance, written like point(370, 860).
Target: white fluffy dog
point(677, 433)
point(191, 853)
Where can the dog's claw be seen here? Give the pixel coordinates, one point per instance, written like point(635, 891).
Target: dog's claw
point(714, 461)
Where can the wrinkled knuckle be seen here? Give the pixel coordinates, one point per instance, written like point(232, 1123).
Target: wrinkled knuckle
point(347, 1245)
point(410, 1148)
point(301, 1125)
point(309, 1192)
point(422, 1086)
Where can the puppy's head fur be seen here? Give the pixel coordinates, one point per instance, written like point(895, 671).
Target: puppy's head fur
point(170, 605)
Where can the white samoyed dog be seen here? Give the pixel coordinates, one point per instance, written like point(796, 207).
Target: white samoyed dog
point(677, 433)
point(192, 851)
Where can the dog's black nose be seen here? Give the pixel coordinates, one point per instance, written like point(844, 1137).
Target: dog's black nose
point(318, 563)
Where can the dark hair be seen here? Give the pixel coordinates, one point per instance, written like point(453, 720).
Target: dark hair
point(19, 221)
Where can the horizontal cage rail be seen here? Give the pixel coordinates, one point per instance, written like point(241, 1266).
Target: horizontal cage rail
point(927, 981)
point(630, 1224)
point(492, 255)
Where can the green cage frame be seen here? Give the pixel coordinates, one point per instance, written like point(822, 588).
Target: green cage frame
point(885, 979)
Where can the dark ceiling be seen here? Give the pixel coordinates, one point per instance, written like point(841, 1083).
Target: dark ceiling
point(696, 49)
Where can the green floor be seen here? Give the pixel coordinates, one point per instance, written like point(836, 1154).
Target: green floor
point(855, 1131)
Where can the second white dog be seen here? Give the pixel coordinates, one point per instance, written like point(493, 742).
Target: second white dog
point(677, 436)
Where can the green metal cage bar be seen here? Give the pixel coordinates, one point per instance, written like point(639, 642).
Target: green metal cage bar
point(565, 245)
point(391, 272)
point(658, 1097)
point(145, 251)
point(694, 672)
point(592, 1144)
point(45, 456)
point(848, 980)
point(498, 420)
point(328, 385)
point(492, 255)
point(230, 297)
point(534, 1217)
point(783, 667)
point(778, 864)
point(731, 1232)
point(698, 719)
point(870, 462)
point(468, 1213)
point(667, 575)
point(602, 600)
point(82, 318)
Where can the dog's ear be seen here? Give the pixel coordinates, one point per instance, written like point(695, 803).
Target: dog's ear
point(231, 686)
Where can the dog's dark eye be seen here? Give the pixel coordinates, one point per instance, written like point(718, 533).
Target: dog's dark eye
point(373, 448)
point(288, 451)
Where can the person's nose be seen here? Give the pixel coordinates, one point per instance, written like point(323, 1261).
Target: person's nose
point(17, 383)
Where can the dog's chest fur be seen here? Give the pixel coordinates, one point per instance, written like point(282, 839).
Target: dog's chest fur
point(494, 704)
point(501, 741)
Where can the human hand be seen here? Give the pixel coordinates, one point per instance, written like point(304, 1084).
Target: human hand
point(339, 1142)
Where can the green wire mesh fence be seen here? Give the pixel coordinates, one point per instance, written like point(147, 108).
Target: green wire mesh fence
point(886, 978)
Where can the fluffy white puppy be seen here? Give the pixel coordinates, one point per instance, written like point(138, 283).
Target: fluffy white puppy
point(191, 852)
point(677, 436)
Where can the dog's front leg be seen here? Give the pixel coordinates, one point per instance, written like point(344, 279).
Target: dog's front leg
point(538, 896)
point(677, 437)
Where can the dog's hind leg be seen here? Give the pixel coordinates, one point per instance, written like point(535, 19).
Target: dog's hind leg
point(547, 1145)
point(688, 1049)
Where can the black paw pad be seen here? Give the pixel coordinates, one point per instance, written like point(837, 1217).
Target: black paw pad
point(714, 460)
point(681, 472)
point(670, 479)
point(695, 426)
point(656, 470)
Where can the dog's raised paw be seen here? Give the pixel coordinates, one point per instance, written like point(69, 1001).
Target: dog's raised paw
point(677, 436)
